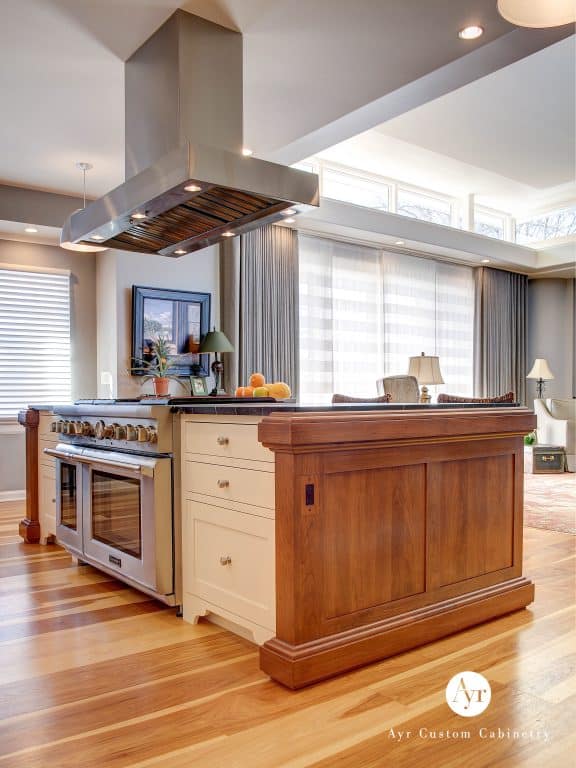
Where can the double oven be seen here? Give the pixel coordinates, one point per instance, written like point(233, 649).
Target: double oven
point(115, 500)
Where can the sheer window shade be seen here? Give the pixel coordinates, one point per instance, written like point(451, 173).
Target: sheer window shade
point(364, 312)
point(34, 339)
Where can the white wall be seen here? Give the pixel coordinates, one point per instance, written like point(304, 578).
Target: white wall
point(551, 334)
point(83, 336)
point(116, 275)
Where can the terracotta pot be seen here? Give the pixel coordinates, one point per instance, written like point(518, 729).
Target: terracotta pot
point(161, 386)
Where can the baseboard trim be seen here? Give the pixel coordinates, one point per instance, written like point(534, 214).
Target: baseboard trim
point(296, 666)
point(12, 495)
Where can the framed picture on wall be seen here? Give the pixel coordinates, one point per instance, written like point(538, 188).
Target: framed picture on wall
point(180, 317)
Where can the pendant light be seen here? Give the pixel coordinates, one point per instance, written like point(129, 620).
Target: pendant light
point(65, 242)
point(538, 14)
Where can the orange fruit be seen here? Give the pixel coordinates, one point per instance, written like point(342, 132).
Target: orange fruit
point(240, 392)
point(248, 391)
point(280, 390)
point(257, 380)
point(261, 392)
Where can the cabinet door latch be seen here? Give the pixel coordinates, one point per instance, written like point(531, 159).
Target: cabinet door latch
point(309, 494)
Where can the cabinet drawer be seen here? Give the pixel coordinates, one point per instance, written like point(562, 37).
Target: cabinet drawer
point(248, 486)
point(238, 441)
point(228, 560)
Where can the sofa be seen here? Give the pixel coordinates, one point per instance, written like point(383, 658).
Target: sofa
point(556, 425)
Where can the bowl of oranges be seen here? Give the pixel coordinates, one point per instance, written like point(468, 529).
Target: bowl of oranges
point(257, 387)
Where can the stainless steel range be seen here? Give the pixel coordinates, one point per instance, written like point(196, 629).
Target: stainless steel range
point(115, 491)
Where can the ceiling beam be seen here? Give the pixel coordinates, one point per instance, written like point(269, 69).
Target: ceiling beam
point(479, 63)
point(32, 206)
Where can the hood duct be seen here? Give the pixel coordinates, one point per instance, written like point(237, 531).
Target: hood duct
point(188, 183)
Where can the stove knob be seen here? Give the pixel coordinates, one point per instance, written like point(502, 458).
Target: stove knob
point(66, 428)
point(59, 425)
point(77, 427)
point(109, 430)
point(152, 435)
point(131, 432)
point(53, 427)
point(119, 432)
point(87, 429)
point(143, 434)
point(99, 429)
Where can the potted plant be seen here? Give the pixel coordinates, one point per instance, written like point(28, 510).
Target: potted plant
point(159, 368)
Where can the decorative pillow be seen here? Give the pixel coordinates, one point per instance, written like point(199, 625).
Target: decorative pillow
point(347, 399)
point(563, 409)
point(509, 397)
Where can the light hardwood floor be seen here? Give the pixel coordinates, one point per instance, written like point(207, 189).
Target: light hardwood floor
point(94, 674)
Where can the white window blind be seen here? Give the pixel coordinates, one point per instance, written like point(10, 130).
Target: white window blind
point(34, 339)
point(364, 312)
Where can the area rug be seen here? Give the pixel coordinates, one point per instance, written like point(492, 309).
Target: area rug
point(550, 502)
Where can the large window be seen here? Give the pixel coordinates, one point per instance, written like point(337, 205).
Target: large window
point(548, 226)
point(355, 188)
point(489, 223)
point(364, 312)
point(34, 339)
point(417, 205)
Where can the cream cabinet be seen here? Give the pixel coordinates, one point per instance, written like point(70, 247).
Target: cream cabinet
point(228, 548)
point(46, 479)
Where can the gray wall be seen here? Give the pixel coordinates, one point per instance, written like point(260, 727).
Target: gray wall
point(116, 276)
point(551, 331)
point(83, 332)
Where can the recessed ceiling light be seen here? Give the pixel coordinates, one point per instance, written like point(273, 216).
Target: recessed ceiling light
point(246, 151)
point(192, 188)
point(96, 237)
point(31, 230)
point(180, 251)
point(485, 261)
point(471, 33)
point(399, 242)
point(289, 221)
point(227, 234)
point(138, 215)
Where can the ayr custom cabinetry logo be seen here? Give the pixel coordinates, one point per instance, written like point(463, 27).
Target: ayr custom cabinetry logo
point(468, 694)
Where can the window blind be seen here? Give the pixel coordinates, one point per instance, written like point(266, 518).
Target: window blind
point(34, 339)
point(364, 312)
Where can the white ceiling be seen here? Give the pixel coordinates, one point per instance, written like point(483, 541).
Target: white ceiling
point(508, 138)
point(518, 122)
point(307, 63)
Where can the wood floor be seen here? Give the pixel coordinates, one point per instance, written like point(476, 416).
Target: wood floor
point(95, 675)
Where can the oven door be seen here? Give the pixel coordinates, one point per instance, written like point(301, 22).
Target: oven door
point(127, 501)
point(69, 528)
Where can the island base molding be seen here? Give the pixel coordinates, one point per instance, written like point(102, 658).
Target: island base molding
point(297, 666)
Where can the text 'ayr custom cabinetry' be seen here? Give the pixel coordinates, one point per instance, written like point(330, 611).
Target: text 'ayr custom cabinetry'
point(228, 524)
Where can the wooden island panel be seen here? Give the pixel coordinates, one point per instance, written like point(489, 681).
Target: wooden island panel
point(393, 529)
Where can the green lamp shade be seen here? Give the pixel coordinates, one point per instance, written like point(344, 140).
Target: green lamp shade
point(215, 341)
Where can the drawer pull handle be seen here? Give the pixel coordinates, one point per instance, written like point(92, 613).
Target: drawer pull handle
point(222, 440)
point(225, 560)
point(223, 483)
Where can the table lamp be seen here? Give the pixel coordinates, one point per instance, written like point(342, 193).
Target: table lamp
point(215, 341)
point(426, 369)
point(542, 373)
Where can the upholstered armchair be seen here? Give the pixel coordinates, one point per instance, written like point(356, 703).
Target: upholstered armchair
point(402, 389)
point(556, 425)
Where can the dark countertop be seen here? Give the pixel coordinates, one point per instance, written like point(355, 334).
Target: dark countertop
point(265, 409)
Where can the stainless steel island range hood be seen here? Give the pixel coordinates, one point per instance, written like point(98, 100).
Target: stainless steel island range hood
point(188, 183)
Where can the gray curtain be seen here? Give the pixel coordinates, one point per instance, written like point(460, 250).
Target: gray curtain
point(259, 306)
point(500, 333)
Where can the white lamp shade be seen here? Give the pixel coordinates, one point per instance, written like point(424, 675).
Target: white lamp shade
point(540, 370)
point(538, 13)
point(426, 369)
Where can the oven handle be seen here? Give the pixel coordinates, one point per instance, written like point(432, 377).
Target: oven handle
point(133, 468)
